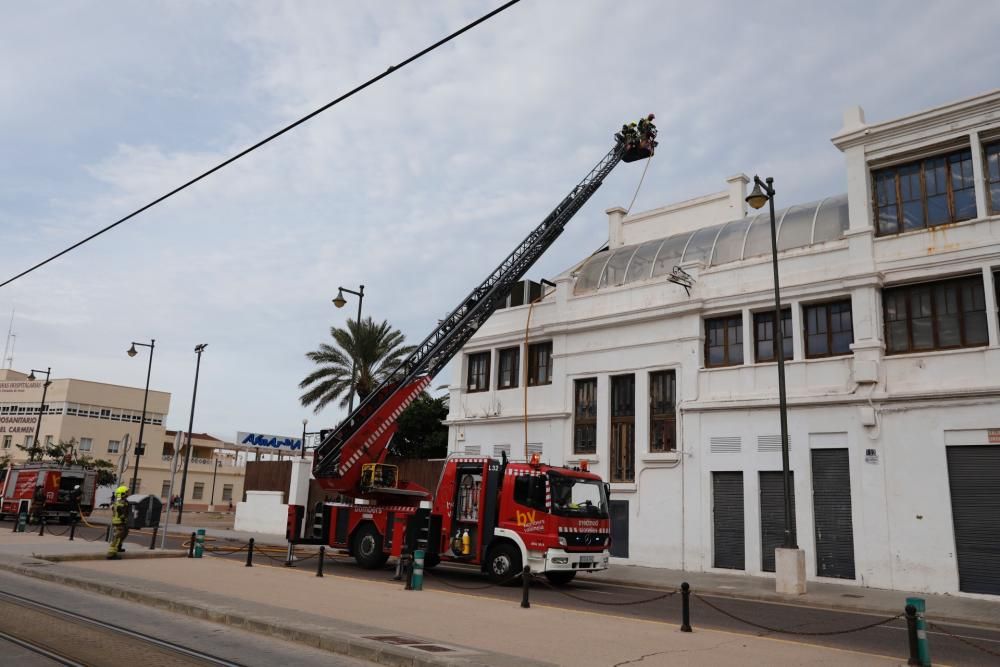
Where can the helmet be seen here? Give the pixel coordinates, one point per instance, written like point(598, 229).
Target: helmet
point(121, 490)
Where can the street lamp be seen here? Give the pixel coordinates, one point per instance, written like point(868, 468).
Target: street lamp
point(41, 408)
point(198, 349)
point(762, 193)
point(211, 502)
point(139, 446)
point(339, 301)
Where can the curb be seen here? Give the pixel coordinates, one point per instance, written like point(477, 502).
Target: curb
point(325, 639)
point(128, 555)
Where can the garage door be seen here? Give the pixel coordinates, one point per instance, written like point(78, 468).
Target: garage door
point(727, 519)
point(974, 477)
point(832, 511)
point(772, 516)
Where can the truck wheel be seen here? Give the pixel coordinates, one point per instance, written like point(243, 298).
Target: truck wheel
point(504, 562)
point(560, 577)
point(368, 547)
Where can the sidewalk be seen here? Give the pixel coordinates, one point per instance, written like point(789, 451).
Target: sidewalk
point(381, 622)
point(955, 608)
point(55, 546)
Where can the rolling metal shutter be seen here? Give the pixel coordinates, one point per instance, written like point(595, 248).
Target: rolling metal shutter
point(618, 509)
point(832, 511)
point(772, 516)
point(727, 519)
point(974, 477)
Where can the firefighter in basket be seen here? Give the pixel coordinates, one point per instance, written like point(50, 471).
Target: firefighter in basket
point(119, 522)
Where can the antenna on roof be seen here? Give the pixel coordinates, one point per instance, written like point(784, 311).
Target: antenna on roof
point(9, 345)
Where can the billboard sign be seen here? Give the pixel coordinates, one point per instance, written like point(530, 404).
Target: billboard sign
point(268, 441)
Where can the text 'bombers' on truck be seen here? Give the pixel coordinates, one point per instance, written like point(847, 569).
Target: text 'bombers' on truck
point(499, 515)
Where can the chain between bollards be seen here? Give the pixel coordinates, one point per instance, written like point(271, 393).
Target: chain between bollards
point(319, 562)
point(191, 545)
point(152, 541)
point(250, 553)
point(685, 607)
point(525, 587)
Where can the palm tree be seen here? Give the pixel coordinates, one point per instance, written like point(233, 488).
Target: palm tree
point(375, 350)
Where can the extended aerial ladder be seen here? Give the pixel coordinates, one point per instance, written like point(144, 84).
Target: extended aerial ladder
point(363, 437)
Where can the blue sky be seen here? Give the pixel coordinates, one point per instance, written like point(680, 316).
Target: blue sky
point(416, 187)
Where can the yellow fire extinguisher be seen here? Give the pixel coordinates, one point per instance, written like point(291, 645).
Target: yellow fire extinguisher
point(466, 543)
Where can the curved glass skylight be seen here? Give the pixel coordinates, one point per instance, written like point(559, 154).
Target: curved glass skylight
point(798, 226)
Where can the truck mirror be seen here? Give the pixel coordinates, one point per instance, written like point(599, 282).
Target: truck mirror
point(607, 490)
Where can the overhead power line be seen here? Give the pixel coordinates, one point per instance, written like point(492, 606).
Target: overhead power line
point(392, 68)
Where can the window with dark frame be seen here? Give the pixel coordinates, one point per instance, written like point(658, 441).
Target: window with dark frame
point(935, 316)
point(509, 368)
point(662, 411)
point(763, 327)
point(724, 341)
point(540, 364)
point(623, 428)
point(925, 193)
point(829, 329)
point(585, 416)
point(992, 157)
point(479, 372)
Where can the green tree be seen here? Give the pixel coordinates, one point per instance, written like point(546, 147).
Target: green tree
point(105, 469)
point(376, 349)
point(421, 434)
point(36, 452)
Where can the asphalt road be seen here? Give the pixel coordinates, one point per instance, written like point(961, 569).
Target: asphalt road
point(889, 639)
point(82, 643)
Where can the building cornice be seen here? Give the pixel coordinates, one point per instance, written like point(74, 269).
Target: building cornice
point(943, 121)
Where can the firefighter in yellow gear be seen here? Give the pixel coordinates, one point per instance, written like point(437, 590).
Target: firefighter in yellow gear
point(119, 522)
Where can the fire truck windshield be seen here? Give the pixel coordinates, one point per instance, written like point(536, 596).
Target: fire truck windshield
point(572, 496)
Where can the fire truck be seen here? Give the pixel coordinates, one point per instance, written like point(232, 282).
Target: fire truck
point(496, 514)
point(58, 480)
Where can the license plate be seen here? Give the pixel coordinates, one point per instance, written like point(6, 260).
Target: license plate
point(588, 559)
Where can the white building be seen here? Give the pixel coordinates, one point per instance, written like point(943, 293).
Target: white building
point(893, 368)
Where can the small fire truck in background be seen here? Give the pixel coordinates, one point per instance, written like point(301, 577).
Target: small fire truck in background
point(58, 480)
point(499, 515)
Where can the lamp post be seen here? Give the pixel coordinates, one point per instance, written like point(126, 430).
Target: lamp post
point(215, 471)
point(139, 446)
point(198, 349)
point(762, 193)
point(41, 408)
point(339, 301)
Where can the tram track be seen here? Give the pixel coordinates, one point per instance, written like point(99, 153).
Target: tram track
point(77, 631)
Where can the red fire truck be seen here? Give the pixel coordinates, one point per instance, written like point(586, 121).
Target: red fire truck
point(497, 514)
point(58, 480)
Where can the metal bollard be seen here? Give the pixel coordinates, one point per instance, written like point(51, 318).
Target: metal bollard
point(407, 566)
point(72, 530)
point(107, 534)
point(911, 633)
point(685, 607)
point(923, 646)
point(319, 562)
point(250, 554)
point(41, 525)
point(199, 544)
point(290, 556)
point(417, 579)
point(191, 546)
point(525, 586)
point(152, 542)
